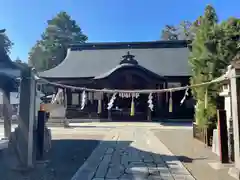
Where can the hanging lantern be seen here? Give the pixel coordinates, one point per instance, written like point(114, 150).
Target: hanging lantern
point(150, 103)
point(170, 102)
point(132, 113)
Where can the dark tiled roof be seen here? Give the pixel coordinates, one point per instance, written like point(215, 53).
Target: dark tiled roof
point(129, 45)
point(167, 58)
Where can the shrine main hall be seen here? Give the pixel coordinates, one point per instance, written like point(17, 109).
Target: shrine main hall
point(125, 66)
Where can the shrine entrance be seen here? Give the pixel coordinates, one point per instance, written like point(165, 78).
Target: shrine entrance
point(130, 76)
point(127, 75)
point(121, 110)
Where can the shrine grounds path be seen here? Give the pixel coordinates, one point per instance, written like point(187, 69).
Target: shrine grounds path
point(123, 151)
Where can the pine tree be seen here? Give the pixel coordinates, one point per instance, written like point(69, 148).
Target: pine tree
point(52, 48)
point(200, 61)
point(213, 48)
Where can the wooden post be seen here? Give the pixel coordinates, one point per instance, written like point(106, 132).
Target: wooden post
point(40, 134)
point(149, 116)
point(223, 136)
point(109, 115)
point(109, 111)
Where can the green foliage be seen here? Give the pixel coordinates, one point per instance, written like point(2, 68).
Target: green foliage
point(21, 63)
point(5, 43)
point(181, 32)
point(52, 48)
point(169, 33)
point(213, 48)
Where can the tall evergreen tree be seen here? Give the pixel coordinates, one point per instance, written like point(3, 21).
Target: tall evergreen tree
point(201, 60)
point(52, 48)
point(5, 43)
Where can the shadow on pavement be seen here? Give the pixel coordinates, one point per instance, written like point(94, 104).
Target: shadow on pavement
point(121, 160)
point(180, 124)
point(79, 126)
point(67, 155)
point(187, 146)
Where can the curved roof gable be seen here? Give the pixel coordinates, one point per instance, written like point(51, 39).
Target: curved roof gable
point(126, 66)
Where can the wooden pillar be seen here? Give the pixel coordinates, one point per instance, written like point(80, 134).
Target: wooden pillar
point(223, 135)
point(100, 105)
point(6, 112)
point(159, 104)
point(159, 97)
point(165, 101)
point(149, 115)
point(109, 111)
point(109, 115)
point(65, 98)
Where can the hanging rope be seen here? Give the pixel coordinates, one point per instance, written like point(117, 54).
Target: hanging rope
point(206, 98)
point(141, 91)
point(111, 102)
point(184, 97)
point(132, 113)
point(150, 102)
point(170, 102)
point(83, 102)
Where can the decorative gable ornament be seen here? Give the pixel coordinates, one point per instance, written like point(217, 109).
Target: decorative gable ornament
point(129, 59)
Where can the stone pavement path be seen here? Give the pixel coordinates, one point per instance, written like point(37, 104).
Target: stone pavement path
point(132, 153)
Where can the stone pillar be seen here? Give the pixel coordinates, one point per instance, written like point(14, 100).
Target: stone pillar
point(6, 113)
point(23, 137)
point(235, 103)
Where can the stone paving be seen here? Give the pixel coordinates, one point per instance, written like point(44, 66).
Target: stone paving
point(132, 153)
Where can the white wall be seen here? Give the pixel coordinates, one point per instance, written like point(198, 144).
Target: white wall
point(13, 98)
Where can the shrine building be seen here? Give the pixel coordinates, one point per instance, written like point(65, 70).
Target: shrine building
point(126, 66)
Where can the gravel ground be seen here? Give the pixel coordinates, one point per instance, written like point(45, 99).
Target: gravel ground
point(65, 157)
point(193, 154)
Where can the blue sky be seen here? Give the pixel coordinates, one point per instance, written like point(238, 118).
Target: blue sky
point(103, 20)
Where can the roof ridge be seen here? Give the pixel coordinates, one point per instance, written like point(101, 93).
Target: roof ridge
point(130, 45)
